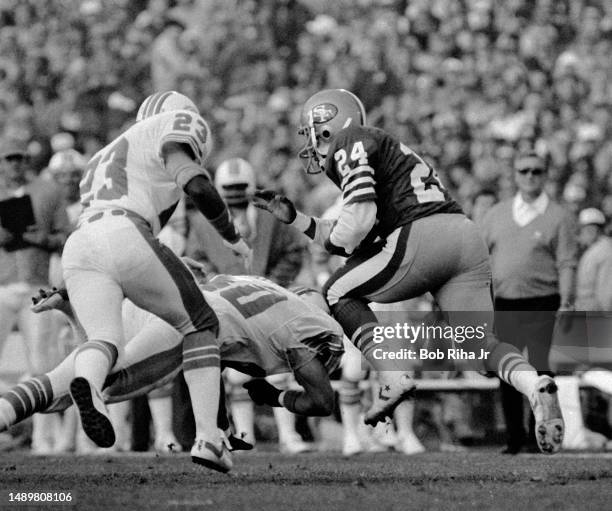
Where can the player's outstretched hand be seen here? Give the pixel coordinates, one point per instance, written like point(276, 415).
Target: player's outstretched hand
point(48, 300)
point(279, 205)
point(262, 392)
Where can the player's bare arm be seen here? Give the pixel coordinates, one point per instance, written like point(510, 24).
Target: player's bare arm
point(317, 398)
point(178, 158)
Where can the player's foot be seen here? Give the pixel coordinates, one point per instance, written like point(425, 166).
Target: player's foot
point(238, 442)
point(216, 457)
point(395, 387)
point(295, 445)
point(351, 445)
point(409, 445)
point(94, 415)
point(167, 444)
point(48, 300)
point(549, 425)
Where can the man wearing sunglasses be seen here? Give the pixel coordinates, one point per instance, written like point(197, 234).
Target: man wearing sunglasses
point(533, 257)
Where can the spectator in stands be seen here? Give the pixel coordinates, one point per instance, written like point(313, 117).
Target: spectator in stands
point(483, 201)
point(594, 275)
point(24, 268)
point(533, 259)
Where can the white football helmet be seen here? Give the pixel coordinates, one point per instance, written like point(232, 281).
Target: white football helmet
point(235, 182)
point(324, 114)
point(165, 102)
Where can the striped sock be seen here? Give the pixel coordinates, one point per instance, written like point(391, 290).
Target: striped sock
point(512, 367)
point(358, 322)
point(25, 399)
point(201, 368)
point(349, 393)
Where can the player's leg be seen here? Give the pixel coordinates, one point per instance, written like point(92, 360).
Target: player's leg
point(160, 405)
point(348, 293)
point(40, 335)
point(350, 396)
point(99, 312)
point(47, 392)
point(241, 405)
point(95, 295)
point(466, 299)
point(164, 286)
point(289, 440)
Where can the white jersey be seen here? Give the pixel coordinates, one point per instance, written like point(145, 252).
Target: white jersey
point(129, 173)
point(259, 324)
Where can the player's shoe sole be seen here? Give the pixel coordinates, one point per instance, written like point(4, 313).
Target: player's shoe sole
point(390, 395)
point(549, 425)
point(94, 417)
point(210, 456)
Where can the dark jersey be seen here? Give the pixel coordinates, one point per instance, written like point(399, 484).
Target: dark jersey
point(368, 164)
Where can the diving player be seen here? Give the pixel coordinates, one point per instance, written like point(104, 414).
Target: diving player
point(263, 330)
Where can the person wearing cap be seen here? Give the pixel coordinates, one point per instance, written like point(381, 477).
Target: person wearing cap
point(24, 268)
point(594, 275)
point(278, 253)
point(533, 253)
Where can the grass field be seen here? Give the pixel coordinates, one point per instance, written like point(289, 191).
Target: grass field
point(480, 479)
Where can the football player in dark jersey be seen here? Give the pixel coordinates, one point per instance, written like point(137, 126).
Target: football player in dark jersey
point(403, 236)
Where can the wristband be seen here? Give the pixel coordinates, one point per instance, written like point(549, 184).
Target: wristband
point(301, 221)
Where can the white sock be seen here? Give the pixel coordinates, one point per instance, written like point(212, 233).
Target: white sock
point(161, 415)
point(243, 415)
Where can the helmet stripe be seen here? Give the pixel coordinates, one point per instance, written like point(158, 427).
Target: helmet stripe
point(149, 101)
point(160, 102)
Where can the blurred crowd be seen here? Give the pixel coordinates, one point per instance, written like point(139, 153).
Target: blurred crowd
point(466, 83)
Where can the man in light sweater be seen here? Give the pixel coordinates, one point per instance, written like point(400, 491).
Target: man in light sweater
point(533, 250)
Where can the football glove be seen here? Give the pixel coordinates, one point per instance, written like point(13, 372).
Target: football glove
point(48, 300)
point(262, 392)
point(279, 205)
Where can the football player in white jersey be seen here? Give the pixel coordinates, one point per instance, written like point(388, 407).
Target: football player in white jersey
point(263, 330)
point(129, 191)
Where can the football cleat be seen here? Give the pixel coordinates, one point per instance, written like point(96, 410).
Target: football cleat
point(549, 425)
point(48, 300)
point(238, 443)
point(395, 387)
point(94, 414)
point(212, 456)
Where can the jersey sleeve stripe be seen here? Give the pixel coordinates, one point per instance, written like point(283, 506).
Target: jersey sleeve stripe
point(359, 189)
point(356, 173)
point(361, 198)
point(358, 184)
